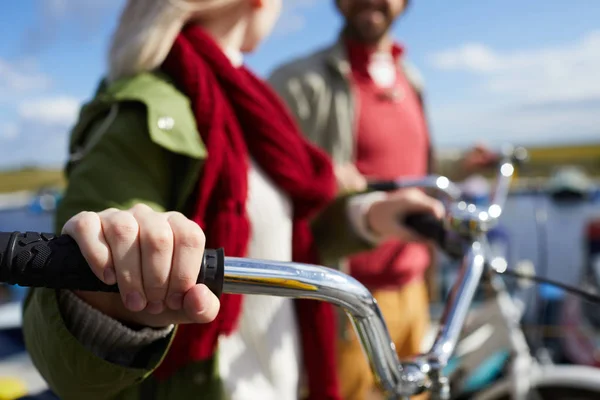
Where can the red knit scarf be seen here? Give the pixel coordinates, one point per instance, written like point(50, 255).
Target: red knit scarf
point(239, 116)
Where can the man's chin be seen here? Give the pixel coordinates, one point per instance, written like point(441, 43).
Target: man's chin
point(368, 34)
point(370, 37)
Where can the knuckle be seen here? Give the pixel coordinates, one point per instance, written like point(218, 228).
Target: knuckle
point(141, 207)
point(176, 215)
point(160, 240)
point(408, 195)
point(122, 225)
point(84, 221)
point(108, 211)
point(191, 236)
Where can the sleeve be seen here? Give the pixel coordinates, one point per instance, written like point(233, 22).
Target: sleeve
point(292, 89)
point(357, 208)
point(340, 229)
point(124, 167)
point(104, 336)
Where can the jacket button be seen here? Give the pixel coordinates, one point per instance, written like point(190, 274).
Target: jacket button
point(166, 123)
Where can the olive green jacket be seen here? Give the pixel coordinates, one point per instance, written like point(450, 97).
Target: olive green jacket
point(137, 141)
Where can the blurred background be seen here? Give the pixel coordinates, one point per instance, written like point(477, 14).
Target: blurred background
point(527, 73)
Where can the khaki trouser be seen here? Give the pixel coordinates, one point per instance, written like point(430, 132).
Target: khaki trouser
point(406, 313)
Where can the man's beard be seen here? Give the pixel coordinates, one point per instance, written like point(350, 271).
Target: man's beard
point(365, 35)
point(370, 27)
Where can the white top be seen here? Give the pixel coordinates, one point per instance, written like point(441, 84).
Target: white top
point(262, 358)
point(251, 358)
point(382, 69)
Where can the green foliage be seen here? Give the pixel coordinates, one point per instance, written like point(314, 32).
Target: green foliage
point(30, 178)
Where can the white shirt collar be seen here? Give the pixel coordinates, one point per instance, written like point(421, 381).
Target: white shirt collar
point(235, 56)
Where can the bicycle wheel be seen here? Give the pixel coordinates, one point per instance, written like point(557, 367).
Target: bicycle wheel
point(568, 382)
point(556, 393)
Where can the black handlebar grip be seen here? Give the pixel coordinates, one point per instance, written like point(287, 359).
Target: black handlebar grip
point(428, 226)
point(382, 186)
point(433, 228)
point(45, 260)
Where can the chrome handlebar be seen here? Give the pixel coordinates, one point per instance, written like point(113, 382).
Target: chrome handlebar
point(247, 276)
point(397, 379)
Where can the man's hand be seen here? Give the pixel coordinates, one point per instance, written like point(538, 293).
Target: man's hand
point(349, 179)
point(478, 158)
point(385, 217)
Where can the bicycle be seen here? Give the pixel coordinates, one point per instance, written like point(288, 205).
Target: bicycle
point(493, 355)
point(44, 260)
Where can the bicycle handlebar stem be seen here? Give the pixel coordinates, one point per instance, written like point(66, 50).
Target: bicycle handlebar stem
point(457, 306)
point(437, 183)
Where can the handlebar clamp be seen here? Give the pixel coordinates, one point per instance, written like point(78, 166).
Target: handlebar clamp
point(469, 220)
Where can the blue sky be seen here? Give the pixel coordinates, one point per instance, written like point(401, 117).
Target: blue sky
point(513, 70)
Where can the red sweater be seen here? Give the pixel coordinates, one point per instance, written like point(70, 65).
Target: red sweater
point(391, 141)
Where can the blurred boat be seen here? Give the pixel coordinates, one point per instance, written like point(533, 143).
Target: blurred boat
point(15, 200)
point(10, 316)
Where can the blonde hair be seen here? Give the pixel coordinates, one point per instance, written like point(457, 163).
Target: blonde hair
point(147, 30)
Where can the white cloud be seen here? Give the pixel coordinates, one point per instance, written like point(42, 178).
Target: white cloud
point(40, 133)
point(462, 124)
point(471, 56)
point(292, 16)
point(40, 145)
point(61, 111)
point(541, 94)
point(558, 73)
point(21, 77)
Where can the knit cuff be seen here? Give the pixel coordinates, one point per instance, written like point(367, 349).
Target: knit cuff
point(103, 336)
point(358, 207)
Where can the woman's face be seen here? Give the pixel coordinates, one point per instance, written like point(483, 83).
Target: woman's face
point(261, 23)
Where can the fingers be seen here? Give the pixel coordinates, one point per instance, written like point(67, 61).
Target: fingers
point(121, 230)
point(200, 304)
point(155, 258)
point(480, 156)
point(86, 229)
point(385, 217)
point(109, 242)
point(156, 254)
point(418, 202)
point(415, 202)
point(349, 179)
point(481, 147)
point(189, 244)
